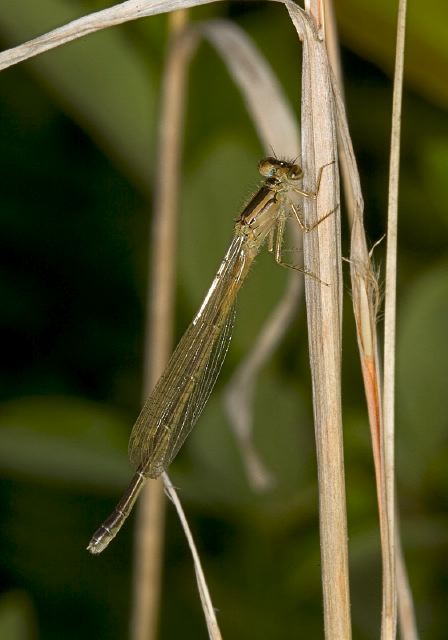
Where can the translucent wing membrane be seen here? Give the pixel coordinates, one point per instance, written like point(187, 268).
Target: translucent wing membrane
point(180, 395)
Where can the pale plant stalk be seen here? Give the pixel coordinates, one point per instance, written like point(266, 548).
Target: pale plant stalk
point(322, 256)
point(274, 120)
point(214, 632)
point(333, 527)
point(365, 297)
point(365, 292)
point(149, 533)
point(390, 302)
point(148, 559)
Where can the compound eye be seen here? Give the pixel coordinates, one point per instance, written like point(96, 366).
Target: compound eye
point(296, 172)
point(268, 167)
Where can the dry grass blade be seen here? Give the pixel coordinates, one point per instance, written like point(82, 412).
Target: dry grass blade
point(148, 558)
point(365, 296)
point(365, 303)
point(117, 14)
point(322, 257)
point(390, 301)
point(265, 99)
point(210, 617)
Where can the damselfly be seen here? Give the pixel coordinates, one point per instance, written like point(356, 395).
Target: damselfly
point(181, 393)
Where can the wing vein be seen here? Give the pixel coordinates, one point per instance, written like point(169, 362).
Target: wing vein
point(181, 393)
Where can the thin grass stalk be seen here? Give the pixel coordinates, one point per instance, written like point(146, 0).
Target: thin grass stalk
point(365, 297)
point(214, 632)
point(390, 611)
point(269, 109)
point(148, 546)
point(322, 256)
point(365, 300)
point(365, 292)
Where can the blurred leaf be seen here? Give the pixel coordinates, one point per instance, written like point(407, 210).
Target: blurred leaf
point(16, 617)
point(63, 440)
point(212, 199)
point(99, 80)
point(370, 29)
point(283, 437)
point(435, 166)
point(423, 374)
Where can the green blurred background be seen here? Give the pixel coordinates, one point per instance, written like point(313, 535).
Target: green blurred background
point(78, 134)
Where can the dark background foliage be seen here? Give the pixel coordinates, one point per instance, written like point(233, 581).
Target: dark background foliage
point(77, 130)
